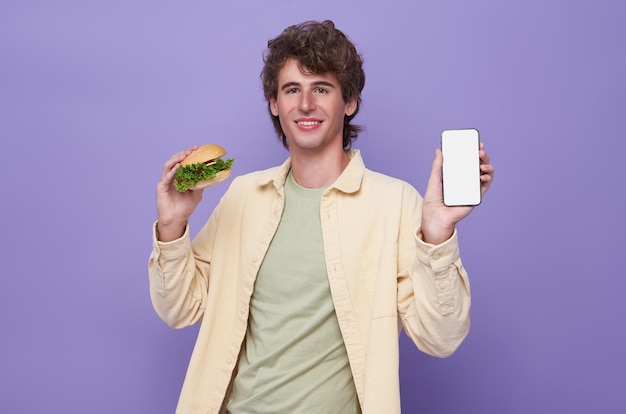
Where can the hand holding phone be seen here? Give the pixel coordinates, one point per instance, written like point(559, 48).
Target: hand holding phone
point(461, 167)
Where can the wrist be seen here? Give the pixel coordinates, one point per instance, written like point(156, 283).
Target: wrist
point(436, 234)
point(170, 231)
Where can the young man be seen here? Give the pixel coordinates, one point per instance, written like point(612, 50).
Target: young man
point(305, 273)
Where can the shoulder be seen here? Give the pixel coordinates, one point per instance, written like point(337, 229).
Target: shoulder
point(255, 180)
point(380, 191)
point(260, 177)
point(376, 181)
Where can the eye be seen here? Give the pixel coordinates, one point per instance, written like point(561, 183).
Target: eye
point(291, 90)
point(320, 90)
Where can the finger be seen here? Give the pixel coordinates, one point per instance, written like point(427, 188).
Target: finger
point(169, 174)
point(484, 157)
point(166, 182)
point(435, 172)
point(177, 158)
point(485, 181)
point(170, 167)
point(484, 186)
point(486, 169)
point(171, 163)
point(434, 185)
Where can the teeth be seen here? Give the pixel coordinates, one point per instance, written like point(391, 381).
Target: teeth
point(308, 123)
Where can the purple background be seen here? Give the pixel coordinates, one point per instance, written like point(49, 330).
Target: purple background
point(95, 96)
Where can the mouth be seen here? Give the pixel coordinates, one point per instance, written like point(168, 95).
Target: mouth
point(308, 123)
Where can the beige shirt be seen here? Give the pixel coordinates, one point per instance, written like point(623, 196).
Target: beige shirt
point(381, 274)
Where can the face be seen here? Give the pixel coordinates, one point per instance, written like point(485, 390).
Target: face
point(310, 108)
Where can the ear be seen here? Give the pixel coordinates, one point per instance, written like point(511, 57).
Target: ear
point(351, 106)
point(274, 106)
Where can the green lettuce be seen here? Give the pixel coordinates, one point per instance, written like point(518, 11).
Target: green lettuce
point(189, 175)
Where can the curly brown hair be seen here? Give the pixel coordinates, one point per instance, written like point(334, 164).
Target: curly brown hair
point(319, 48)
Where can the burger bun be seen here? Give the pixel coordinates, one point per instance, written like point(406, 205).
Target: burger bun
point(204, 154)
point(219, 177)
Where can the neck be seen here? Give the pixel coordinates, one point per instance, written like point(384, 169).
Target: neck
point(320, 170)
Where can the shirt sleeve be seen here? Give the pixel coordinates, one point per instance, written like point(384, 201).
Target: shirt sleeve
point(434, 295)
point(177, 291)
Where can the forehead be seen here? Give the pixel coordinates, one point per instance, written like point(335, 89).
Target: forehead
point(292, 72)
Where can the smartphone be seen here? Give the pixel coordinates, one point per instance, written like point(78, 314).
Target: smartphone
point(461, 167)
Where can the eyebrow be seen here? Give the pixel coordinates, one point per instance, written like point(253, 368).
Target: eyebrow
point(316, 83)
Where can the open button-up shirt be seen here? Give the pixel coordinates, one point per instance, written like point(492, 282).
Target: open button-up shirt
point(382, 277)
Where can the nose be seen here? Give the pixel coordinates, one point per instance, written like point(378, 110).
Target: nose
point(307, 102)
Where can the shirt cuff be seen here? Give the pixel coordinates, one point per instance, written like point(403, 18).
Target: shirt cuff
point(170, 250)
point(440, 258)
point(429, 251)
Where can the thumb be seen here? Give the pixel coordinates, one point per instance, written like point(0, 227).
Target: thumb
point(434, 189)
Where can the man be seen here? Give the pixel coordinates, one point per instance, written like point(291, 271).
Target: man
point(305, 273)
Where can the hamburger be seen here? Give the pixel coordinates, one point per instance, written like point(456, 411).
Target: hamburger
point(203, 168)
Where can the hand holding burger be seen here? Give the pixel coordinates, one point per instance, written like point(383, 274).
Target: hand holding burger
point(203, 168)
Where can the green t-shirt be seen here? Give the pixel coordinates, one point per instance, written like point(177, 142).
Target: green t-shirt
point(293, 359)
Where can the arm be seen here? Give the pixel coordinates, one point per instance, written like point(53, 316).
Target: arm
point(433, 287)
point(178, 282)
point(434, 298)
point(433, 293)
point(178, 279)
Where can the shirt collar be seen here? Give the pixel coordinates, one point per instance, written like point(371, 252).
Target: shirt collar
point(348, 182)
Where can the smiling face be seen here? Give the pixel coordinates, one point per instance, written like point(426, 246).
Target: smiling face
point(311, 108)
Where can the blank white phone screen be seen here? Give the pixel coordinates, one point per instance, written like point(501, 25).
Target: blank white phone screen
point(461, 167)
